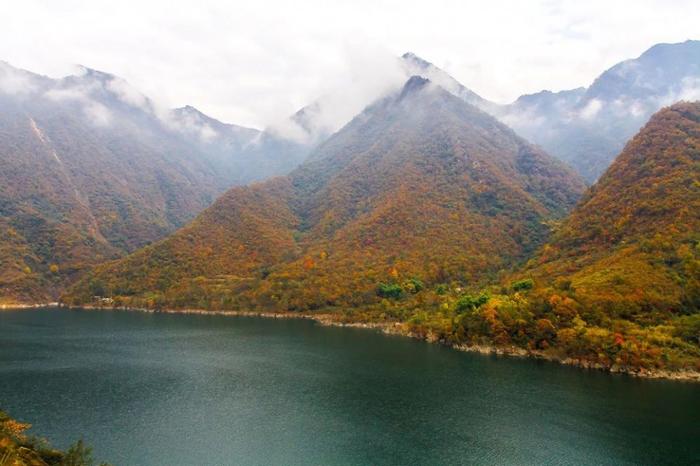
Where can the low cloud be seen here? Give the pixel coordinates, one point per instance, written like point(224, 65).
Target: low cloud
point(366, 75)
point(97, 113)
point(189, 121)
point(524, 120)
point(128, 93)
point(185, 120)
point(88, 87)
point(591, 109)
point(254, 63)
point(14, 81)
point(689, 90)
point(636, 108)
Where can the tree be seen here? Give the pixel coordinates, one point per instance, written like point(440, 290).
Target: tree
point(522, 285)
point(389, 290)
point(78, 454)
point(470, 302)
point(413, 285)
point(688, 328)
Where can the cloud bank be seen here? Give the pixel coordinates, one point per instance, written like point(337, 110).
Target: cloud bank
point(254, 63)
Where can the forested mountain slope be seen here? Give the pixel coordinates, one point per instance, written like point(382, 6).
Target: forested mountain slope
point(631, 247)
point(92, 169)
point(419, 187)
point(618, 285)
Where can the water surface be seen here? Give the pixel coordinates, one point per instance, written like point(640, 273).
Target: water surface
point(163, 389)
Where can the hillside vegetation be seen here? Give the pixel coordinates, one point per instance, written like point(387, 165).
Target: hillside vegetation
point(420, 188)
point(19, 449)
point(93, 170)
point(618, 285)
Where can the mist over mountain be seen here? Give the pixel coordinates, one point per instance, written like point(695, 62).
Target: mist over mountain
point(584, 127)
point(331, 111)
point(95, 169)
point(587, 127)
point(92, 169)
point(419, 185)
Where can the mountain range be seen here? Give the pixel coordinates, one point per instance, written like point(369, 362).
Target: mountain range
point(92, 169)
point(588, 127)
point(427, 215)
point(584, 127)
point(419, 208)
point(421, 185)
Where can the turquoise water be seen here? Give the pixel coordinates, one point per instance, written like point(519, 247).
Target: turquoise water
point(162, 389)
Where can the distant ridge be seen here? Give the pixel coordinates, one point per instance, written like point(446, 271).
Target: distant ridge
point(588, 127)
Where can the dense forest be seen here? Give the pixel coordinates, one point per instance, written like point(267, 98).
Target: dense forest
point(420, 184)
point(618, 284)
point(93, 170)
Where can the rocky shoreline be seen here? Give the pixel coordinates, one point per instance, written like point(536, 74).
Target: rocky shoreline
point(514, 351)
point(399, 329)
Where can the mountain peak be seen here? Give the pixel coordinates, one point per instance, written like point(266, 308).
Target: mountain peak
point(189, 109)
point(86, 72)
point(679, 47)
point(416, 60)
point(207, 126)
point(413, 84)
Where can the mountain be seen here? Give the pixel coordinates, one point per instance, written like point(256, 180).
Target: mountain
point(584, 127)
point(315, 122)
point(587, 127)
point(421, 187)
point(631, 247)
point(92, 169)
point(240, 155)
point(618, 285)
point(414, 65)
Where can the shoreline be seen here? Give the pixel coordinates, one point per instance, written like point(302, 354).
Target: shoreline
point(398, 329)
point(17, 306)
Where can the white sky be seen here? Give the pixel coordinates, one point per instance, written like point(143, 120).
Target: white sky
point(252, 62)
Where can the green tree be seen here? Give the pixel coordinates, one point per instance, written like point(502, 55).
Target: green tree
point(522, 285)
point(413, 285)
point(389, 290)
point(688, 328)
point(469, 302)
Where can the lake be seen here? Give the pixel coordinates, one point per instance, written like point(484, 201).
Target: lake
point(165, 389)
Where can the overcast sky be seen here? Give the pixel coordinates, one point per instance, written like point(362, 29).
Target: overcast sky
point(251, 62)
